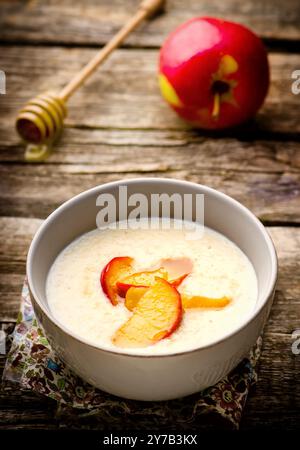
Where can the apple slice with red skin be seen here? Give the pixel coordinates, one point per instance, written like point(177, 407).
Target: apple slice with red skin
point(175, 270)
point(157, 315)
point(134, 294)
point(144, 279)
point(118, 267)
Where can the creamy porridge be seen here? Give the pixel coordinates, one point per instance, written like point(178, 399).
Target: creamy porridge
point(219, 270)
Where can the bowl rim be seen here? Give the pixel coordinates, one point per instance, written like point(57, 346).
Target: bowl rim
point(164, 180)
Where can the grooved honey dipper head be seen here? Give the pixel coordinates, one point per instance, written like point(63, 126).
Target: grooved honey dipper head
point(41, 120)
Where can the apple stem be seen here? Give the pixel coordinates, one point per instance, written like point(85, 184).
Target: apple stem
point(216, 108)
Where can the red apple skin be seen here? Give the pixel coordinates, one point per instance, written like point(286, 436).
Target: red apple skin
point(190, 58)
point(114, 269)
point(177, 282)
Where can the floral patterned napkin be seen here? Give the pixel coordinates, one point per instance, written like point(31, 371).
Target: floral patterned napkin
point(34, 365)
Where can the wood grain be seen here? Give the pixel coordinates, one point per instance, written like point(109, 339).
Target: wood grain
point(157, 150)
point(274, 404)
point(94, 22)
point(124, 93)
point(35, 191)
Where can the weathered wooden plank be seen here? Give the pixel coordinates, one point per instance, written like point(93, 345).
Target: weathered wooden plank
point(262, 174)
point(274, 404)
point(124, 92)
point(157, 150)
point(94, 22)
point(19, 410)
point(271, 196)
point(13, 251)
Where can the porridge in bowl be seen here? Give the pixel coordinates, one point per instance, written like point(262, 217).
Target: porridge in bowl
point(151, 290)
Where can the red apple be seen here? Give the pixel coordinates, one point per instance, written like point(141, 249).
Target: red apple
point(213, 73)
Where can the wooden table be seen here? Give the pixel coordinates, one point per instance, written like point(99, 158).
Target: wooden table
point(119, 127)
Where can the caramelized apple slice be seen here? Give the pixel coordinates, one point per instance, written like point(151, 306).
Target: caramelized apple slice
point(158, 314)
point(175, 270)
point(133, 295)
point(117, 268)
point(197, 301)
point(145, 279)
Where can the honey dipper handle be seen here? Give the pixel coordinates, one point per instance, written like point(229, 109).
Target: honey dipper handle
point(146, 9)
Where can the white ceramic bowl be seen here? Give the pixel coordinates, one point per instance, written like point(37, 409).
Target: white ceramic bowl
point(160, 377)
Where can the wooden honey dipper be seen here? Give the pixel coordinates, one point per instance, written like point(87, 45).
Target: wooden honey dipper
point(40, 122)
